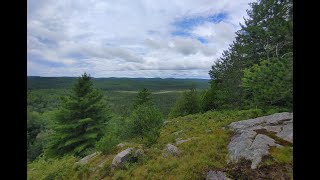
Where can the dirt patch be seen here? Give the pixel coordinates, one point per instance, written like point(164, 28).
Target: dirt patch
point(242, 171)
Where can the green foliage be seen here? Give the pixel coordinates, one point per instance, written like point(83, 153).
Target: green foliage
point(187, 103)
point(55, 169)
point(266, 35)
point(282, 155)
point(81, 120)
point(117, 84)
point(34, 127)
point(146, 121)
point(270, 83)
point(143, 97)
point(107, 143)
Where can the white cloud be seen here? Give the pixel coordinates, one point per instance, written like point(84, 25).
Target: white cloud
point(127, 38)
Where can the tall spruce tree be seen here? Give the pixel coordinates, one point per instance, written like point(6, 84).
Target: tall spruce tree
point(80, 121)
point(266, 34)
point(143, 97)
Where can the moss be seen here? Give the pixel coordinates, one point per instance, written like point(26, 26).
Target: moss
point(282, 155)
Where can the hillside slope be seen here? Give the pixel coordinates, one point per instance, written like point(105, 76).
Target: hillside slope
point(189, 147)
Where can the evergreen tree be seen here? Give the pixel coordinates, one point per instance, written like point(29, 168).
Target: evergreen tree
point(142, 98)
point(266, 34)
point(270, 83)
point(80, 121)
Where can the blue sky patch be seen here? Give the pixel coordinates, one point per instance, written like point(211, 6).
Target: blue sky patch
point(184, 25)
point(202, 40)
point(190, 22)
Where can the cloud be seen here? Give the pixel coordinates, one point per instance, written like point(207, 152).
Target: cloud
point(167, 38)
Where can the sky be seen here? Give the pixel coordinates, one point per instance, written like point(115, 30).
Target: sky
point(130, 38)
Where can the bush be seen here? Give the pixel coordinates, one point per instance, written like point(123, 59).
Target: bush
point(146, 121)
point(270, 83)
point(187, 103)
point(107, 143)
point(62, 168)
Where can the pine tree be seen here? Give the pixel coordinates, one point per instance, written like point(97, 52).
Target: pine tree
point(266, 34)
point(80, 121)
point(142, 98)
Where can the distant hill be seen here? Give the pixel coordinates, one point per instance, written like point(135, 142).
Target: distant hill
point(127, 84)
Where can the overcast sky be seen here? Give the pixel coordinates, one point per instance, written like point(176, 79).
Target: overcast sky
point(130, 38)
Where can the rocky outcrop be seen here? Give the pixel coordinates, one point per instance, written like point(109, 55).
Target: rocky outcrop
point(121, 157)
point(253, 137)
point(216, 175)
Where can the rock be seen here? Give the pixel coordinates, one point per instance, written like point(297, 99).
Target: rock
point(121, 157)
point(180, 140)
point(274, 119)
point(138, 153)
point(86, 159)
point(101, 164)
point(275, 129)
point(171, 150)
point(239, 145)
point(166, 122)
point(216, 175)
point(121, 145)
point(246, 143)
point(259, 148)
point(286, 133)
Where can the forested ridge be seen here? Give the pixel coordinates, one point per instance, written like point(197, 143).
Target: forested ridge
point(128, 127)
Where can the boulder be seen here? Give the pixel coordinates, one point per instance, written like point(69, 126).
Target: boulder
point(171, 150)
point(252, 141)
point(121, 157)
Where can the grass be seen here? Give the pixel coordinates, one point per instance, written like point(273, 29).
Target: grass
point(205, 151)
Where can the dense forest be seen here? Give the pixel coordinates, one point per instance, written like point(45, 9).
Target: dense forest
point(69, 118)
point(117, 84)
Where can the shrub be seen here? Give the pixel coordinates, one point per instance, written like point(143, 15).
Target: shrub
point(146, 121)
point(107, 143)
point(62, 168)
point(187, 103)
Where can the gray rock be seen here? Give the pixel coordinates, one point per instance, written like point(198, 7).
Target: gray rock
point(258, 149)
point(275, 129)
point(180, 141)
point(86, 159)
point(171, 150)
point(246, 143)
point(138, 153)
point(121, 157)
point(273, 119)
point(240, 144)
point(216, 175)
point(286, 133)
point(120, 145)
point(102, 163)
point(166, 122)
